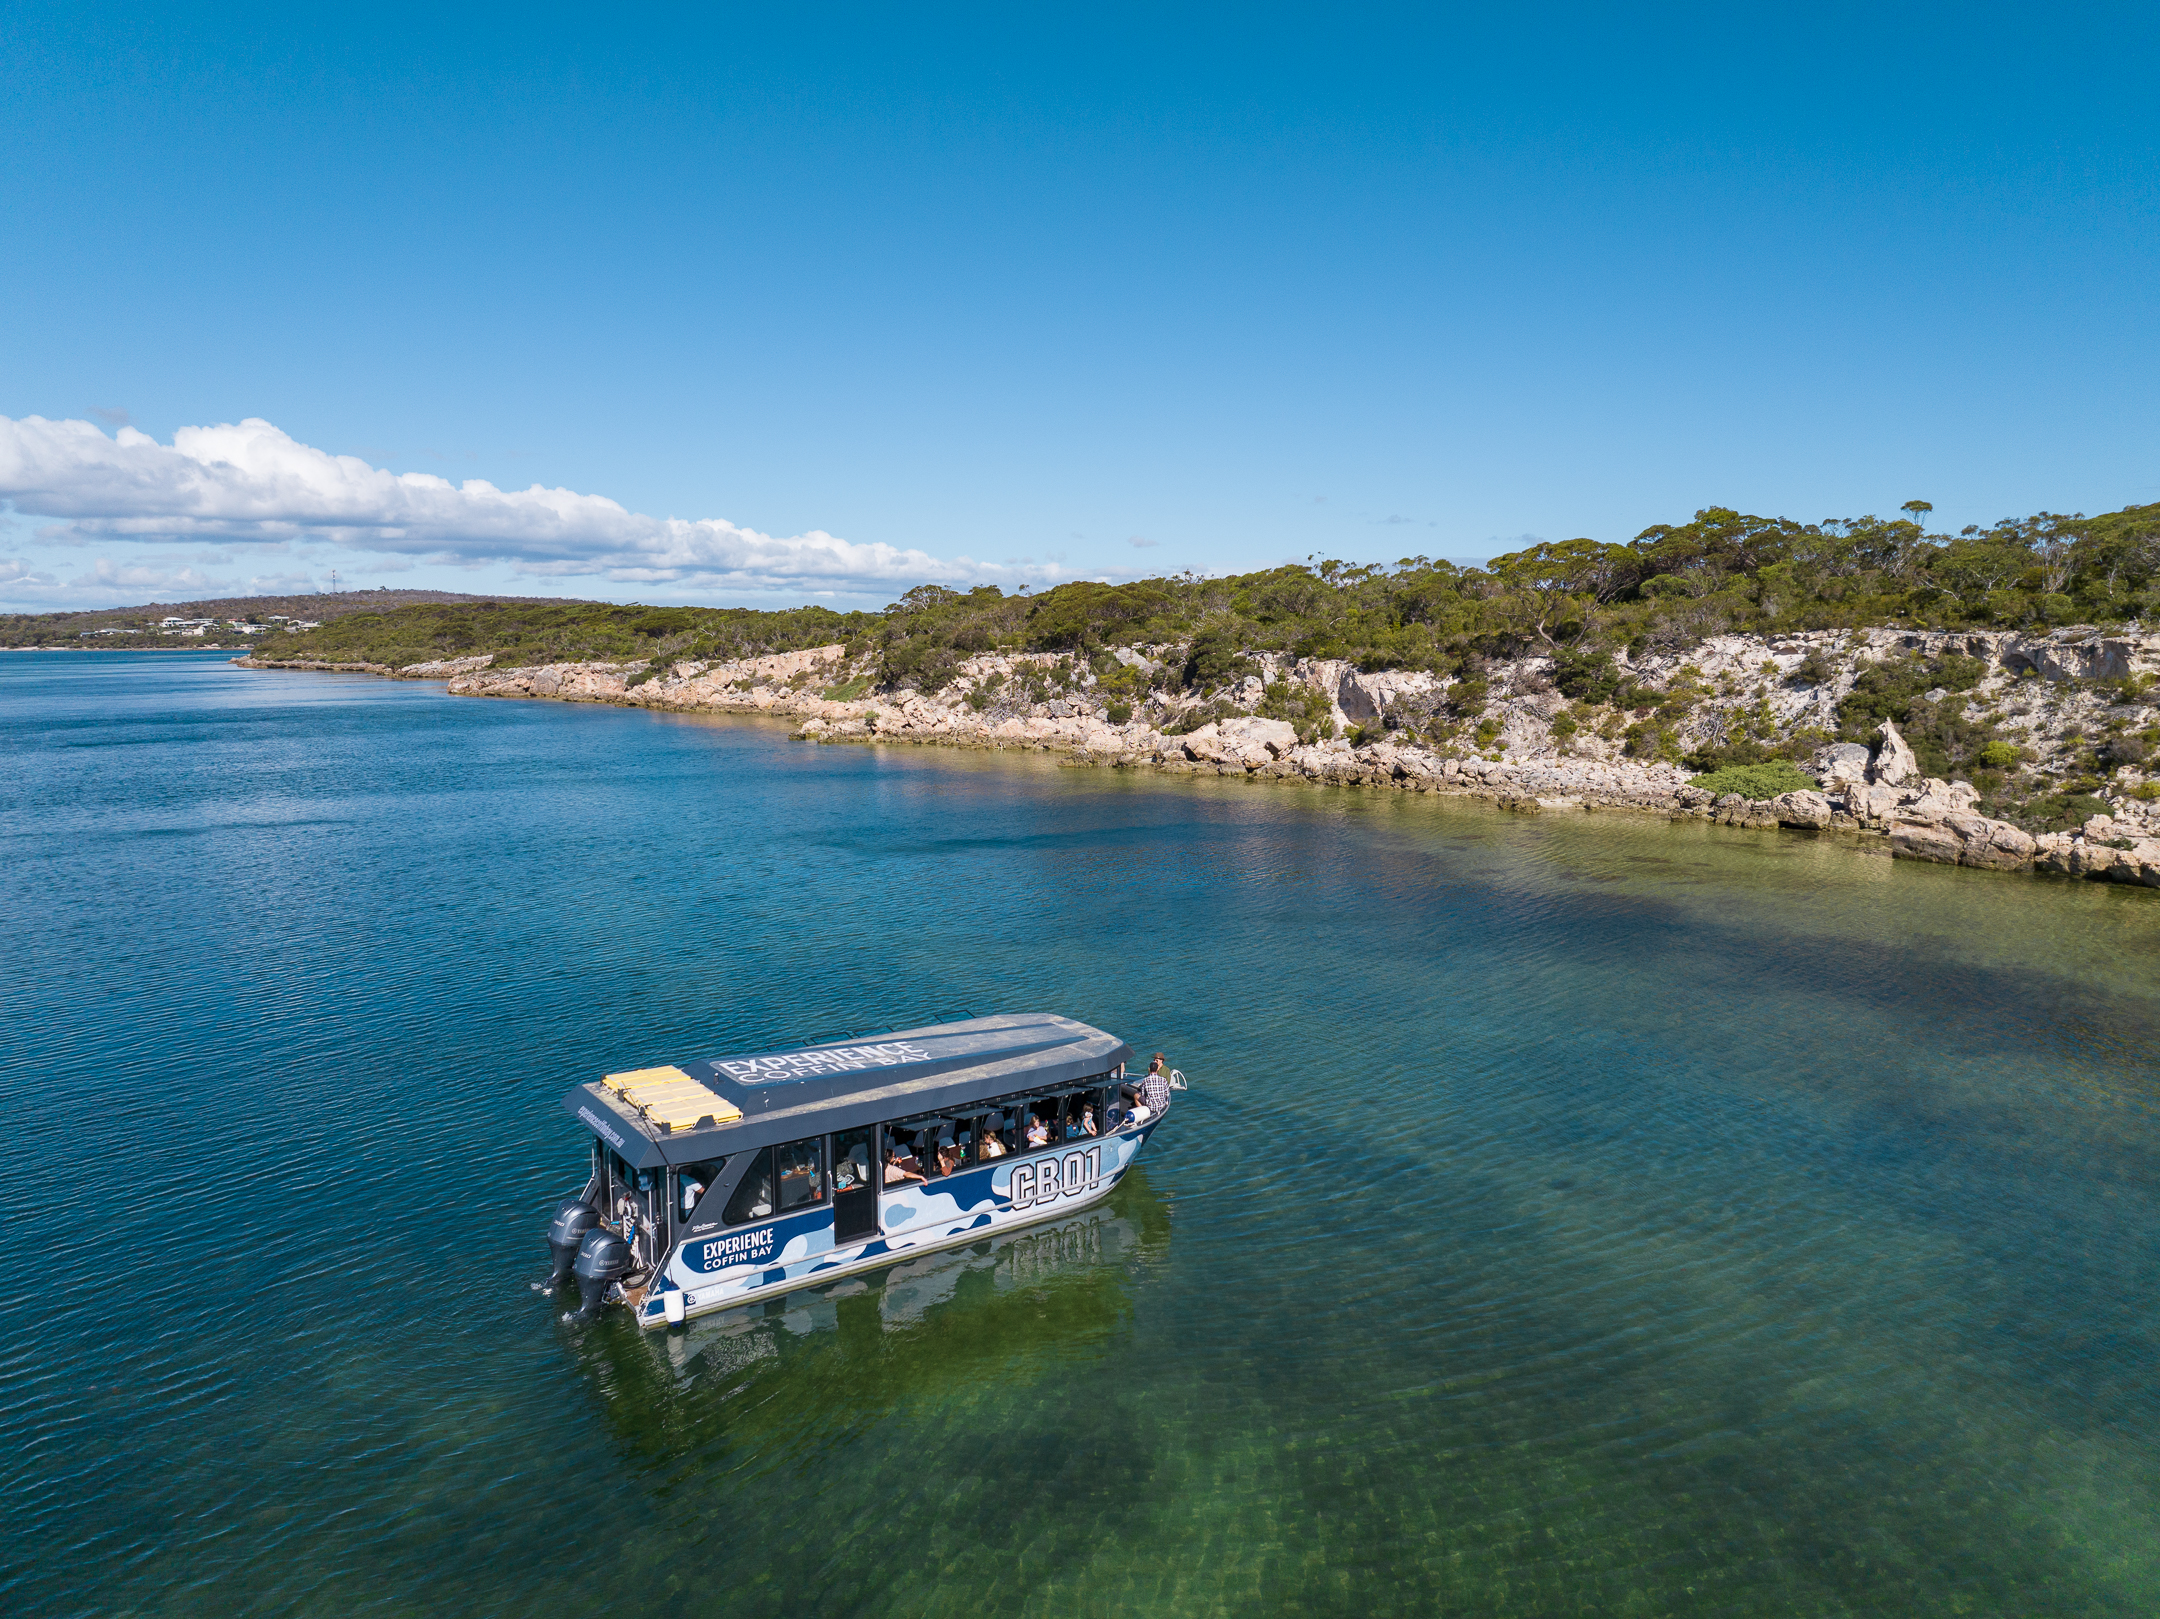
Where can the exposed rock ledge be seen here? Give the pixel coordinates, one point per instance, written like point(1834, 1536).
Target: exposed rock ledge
point(441, 669)
point(1868, 793)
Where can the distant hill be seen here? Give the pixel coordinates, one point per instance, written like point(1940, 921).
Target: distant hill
point(140, 623)
point(554, 631)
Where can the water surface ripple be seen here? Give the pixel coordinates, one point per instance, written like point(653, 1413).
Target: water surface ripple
point(1571, 1215)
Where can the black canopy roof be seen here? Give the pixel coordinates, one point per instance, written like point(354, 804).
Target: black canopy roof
point(800, 1091)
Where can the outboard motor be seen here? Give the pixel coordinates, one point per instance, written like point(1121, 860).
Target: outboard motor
point(566, 1232)
point(602, 1260)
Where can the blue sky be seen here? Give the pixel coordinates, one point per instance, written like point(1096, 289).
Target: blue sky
point(863, 295)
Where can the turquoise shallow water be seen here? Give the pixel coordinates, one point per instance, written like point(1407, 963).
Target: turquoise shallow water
point(1570, 1216)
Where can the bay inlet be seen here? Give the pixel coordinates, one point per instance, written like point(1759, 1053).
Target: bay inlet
point(1570, 1214)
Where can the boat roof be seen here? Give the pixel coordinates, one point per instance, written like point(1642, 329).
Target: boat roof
point(692, 1111)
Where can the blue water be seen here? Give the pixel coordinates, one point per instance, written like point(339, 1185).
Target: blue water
point(1570, 1215)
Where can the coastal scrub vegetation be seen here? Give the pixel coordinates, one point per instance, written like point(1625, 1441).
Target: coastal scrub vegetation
point(1186, 649)
point(1578, 601)
point(1756, 781)
point(1598, 646)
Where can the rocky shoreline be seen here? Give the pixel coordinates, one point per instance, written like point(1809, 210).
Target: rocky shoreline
point(1873, 794)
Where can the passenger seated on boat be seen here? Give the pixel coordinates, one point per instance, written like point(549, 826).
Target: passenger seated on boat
point(991, 1146)
point(898, 1169)
point(853, 1170)
point(1086, 1126)
point(948, 1158)
point(802, 1173)
point(1038, 1130)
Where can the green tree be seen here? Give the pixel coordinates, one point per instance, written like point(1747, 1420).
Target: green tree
point(1547, 578)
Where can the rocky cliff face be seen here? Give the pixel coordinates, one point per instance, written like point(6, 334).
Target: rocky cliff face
point(2043, 692)
point(1533, 750)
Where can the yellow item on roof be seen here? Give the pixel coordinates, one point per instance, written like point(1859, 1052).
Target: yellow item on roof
point(671, 1097)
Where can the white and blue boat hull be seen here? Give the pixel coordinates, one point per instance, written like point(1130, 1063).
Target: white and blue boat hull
point(724, 1268)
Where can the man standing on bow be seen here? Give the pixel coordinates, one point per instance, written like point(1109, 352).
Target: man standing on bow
point(1155, 1087)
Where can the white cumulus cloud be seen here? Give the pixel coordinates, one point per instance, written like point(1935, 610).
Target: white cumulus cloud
point(106, 576)
point(248, 483)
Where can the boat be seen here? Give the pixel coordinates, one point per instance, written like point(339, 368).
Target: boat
point(722, 1182)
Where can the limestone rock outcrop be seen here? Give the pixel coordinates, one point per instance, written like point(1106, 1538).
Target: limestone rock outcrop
point(1894, 763)
point(1504, 741)
point(2099, 850)
point(1249, 743)
point(1842, 764)
point(1961, 839)
point(1802, 809)
point(446, 668)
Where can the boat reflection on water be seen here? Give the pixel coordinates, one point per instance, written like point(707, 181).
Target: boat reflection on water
point(1058, 1253)
point(890, 1337)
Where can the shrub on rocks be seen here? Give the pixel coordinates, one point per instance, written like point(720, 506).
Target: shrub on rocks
point(1647, 738)
point(1758, 782)
point(1308, 710)
point(1586, 675)
point(1206, 714)
point(1216, 656)
point(2061, 812)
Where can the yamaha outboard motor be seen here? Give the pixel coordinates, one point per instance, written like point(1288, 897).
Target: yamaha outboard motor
point(602, 1260)
point(566, 1233)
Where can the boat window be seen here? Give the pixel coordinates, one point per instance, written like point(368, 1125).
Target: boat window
point(1043, 1122)
point(692, 1182)
point(900, 1151)
point(633, 1187)
point(753, 1199)
point(969, 1137)
point(802, 1172)
point(917, 1140)
point(1083, 1116)
point(948, 1153)
point(851, 1161)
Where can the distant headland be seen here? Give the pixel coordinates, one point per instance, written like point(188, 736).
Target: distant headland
point(203, 625)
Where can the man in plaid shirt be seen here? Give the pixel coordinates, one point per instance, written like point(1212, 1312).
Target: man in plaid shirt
point(1155, 1087)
